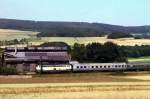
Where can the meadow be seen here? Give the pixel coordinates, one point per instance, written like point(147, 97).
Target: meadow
point(98, 85)
point(140, 59)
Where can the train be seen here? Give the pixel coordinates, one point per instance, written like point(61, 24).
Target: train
point(83, 67)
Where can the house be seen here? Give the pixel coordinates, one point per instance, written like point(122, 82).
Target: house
point(25, 59)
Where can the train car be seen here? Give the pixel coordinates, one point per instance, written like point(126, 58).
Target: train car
point(83, 67)
point(54, 68)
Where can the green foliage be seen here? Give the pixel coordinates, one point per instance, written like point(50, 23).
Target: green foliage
point(7, 71)
point(137, 51)
point(96, 52)
point(13, 42)
point(119, 35)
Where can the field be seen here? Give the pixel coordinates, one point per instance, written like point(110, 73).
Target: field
point(78, 86)
point(141, 59)
point(86, 40)
point(8, 34)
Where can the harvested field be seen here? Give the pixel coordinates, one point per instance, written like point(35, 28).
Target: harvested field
point(78, 86)
point(77, 91)
point(82, 95)
point(71, 78)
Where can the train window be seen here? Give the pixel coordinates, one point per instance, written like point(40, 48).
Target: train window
point(84, 66)
point(101, 66)
point(122, 65)
point(96, 66)
point(92, 66)
point(81, 67)
point(77, 66)
point(108, 66)
point(116, 66)
point(104, 66)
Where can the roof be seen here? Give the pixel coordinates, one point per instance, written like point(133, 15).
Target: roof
point(38, 56)
point(37, 49)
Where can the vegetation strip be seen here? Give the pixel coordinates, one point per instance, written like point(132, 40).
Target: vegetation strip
point(74, 89)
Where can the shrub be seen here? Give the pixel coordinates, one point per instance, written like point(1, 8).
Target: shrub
point(8, 71)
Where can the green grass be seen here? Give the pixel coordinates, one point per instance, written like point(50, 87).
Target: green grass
point(141, 59)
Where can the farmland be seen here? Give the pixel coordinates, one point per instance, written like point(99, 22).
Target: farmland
point(86, 40)
point(140, 59)
point(8, 34)
point(78, 86)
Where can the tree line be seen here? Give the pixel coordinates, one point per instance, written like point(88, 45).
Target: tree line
point(96, 52)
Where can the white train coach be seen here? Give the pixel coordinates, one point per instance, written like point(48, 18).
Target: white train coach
point(99, 66)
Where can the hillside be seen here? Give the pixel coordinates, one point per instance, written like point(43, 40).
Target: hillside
point(69, 29)
point(10, 34)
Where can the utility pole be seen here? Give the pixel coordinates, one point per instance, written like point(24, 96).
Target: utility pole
point(41, 65)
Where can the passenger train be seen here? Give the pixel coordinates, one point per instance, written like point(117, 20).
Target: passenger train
point(82, 67)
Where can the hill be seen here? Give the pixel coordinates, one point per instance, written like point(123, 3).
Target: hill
point(69, 29)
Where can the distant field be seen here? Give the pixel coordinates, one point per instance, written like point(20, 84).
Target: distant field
point(80, 86)
point(8, 34)
point(141, 59)
point(86, 40)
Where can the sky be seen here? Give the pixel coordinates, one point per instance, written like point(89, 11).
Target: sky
point(117, 12)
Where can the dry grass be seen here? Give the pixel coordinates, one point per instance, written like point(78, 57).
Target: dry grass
point(82, 95)
point(9, 34)
point(79, 91)
point(80, 86)
point(71, 78)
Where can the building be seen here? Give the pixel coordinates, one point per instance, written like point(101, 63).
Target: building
point(25, 59)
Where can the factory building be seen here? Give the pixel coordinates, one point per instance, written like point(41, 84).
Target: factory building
point(26, 59)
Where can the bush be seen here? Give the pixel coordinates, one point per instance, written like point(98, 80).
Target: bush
point(119, 35)
point(8, 71)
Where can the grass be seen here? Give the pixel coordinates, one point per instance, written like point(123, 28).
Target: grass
point(70, 78)
point(141, 59)
point(80, 86)
point(82, 95)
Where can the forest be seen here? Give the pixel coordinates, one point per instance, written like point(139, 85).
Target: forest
point(70, 29)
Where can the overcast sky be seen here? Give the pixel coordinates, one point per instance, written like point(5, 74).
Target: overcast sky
point(118, 12)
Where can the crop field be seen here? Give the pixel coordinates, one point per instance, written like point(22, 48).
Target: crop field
point(8, 34)
point(128, 85)
point(87, 40)
point(141, 59)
